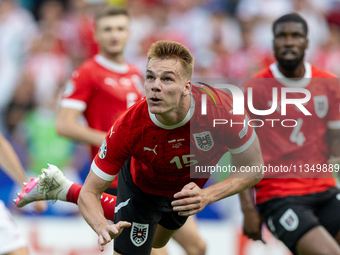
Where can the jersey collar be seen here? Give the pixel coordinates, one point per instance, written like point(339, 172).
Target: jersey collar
point(291, 82)
point(110, 65)
point(182, 123)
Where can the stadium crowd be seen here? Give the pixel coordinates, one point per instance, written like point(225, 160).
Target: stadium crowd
point(43, 41)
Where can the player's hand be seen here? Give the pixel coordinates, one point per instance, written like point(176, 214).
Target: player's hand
point(40, 206)
point(252, 225)
point(110, 232)
point(190, 200)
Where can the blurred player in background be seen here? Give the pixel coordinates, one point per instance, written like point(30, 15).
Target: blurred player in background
point(11, 240)
point(102, 89)
point(302, 212)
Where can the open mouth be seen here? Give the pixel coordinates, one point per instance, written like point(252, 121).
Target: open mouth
point(153, 99)
point(289, 54)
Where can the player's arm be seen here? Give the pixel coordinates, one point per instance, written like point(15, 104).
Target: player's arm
point(90, 207)
point(191, 199)
point(69, 126)
point(334, 142)
point(10, 163)
point(251, 218)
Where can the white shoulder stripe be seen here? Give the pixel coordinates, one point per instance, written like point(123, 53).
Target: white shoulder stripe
point(335, 124)
point(73, 104)
point(244, 146)
point(100, 173)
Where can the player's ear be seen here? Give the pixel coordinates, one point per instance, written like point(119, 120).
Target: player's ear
point(187, 88)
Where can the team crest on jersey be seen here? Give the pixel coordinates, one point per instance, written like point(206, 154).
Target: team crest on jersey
point(204, 140)
point(321, 106)
point(289, 220)
point(139, 233)
point(103, 150)
point(69, 89)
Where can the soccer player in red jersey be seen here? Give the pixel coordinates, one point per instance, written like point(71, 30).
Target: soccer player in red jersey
point(102, 89)
point(154, 146)
point(301, 212)
point(156, 192)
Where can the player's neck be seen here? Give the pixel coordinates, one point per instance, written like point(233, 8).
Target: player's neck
point(118, 58)
point(176, 115)
point(297, 73)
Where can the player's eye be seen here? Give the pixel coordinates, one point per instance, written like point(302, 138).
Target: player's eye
point(168, 79)
point(297, 36)
point(280, 36)
point(149, 77)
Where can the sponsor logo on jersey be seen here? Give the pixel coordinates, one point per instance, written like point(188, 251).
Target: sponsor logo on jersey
point(289, 220)
point(321, 106)
point(103, 150)
point(204, 141)
point(149, 149)
point(139, 233)
point(110, 81)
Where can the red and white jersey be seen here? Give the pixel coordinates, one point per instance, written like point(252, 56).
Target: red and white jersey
point(162, 155)
point(102, 90)
point(306, 143)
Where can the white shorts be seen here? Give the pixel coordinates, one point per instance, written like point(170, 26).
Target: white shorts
point(10, 235)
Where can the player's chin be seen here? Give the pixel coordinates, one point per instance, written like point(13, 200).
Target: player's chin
point(115, 49)
point(155, 109)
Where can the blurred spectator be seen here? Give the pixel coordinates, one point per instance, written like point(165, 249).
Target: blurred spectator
point(318, 27)
point(17, 28)
point(244, 62)
point(80, 43)
point(328, 56)
point(262, 13)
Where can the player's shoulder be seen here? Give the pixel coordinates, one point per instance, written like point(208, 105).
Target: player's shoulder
point(320, 73)
point(264, 73)
point(137, 111)
point(217, 100)
point(259, 79)
point(86, 68)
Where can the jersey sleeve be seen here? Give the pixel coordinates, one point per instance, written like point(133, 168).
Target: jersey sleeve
point(78, 91)
point(333, 120)
point(237, 134)
point(112, 154)
point(258, 103)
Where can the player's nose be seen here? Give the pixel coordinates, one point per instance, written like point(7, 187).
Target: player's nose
point(156, 85)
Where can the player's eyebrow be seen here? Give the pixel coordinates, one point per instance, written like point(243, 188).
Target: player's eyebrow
point(149, 71)
point(169, 72)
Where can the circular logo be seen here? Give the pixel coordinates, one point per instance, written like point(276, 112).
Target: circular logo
point(338, 196)
point(103, 150)
point(69, 89)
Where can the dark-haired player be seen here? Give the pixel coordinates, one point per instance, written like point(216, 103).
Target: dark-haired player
point(301, 212)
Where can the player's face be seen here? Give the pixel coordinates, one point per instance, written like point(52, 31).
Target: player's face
point(290, 43)
point(112, 33)
point(166, 86)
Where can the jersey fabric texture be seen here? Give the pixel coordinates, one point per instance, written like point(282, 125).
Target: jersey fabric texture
point(301, 146)
point(159, 166)
point(102, 90)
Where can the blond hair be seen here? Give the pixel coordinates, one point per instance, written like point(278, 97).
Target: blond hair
point(110, 11)
point(168, 50)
